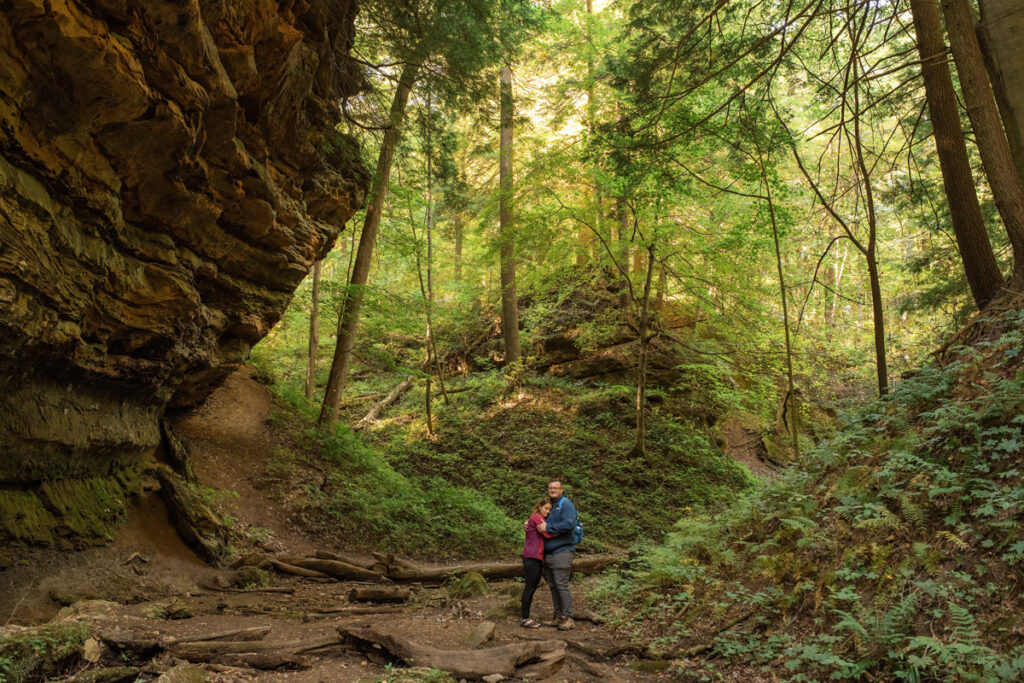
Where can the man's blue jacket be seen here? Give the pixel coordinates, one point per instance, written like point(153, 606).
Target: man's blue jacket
point(562, 521)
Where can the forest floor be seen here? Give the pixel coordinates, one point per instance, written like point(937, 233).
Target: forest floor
point(146, 589)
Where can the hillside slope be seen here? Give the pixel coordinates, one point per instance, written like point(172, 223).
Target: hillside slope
point(895, 549)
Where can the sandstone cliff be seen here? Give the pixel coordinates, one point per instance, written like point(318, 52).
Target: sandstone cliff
point(168, 175)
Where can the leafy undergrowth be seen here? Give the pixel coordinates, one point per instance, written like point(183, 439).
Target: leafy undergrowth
point(895, 550)
point(507, 444)
point(346, 491)
point(494, 448)
point(42, 653)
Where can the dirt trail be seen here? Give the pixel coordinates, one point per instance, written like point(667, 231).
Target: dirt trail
point(154, 589)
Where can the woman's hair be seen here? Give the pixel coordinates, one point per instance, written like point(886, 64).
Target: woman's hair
point(540, 503)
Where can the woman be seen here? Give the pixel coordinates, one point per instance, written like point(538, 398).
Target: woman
point(533, 558)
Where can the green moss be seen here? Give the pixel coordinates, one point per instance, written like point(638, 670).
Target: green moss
point(41, 653)
point(75, 510)
point(23, 517)
point(469, 585)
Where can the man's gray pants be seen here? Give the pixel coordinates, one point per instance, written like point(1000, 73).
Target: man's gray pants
point(557, 569)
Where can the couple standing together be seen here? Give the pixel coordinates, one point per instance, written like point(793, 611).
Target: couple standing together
point(549, 550)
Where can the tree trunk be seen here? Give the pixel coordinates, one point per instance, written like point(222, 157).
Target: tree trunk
point(509, 305)
point(878, 315)
point(459, 236)
point(468, 664)
point(349, 318)
point(374, 594)
point(871, 253)
point(640, 447)
point(379, 407)
point(622, 247)
point(659, 296)
point(988, 129)
point(314, 332)
point(791, 392)
point(1002, 24)
point(980, 265)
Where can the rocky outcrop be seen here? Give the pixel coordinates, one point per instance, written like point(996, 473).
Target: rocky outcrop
point(168, 175)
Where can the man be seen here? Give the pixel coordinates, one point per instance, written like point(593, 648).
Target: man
point(559, 552)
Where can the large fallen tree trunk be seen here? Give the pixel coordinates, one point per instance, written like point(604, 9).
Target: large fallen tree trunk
point(335, 568)
point(390, 567)
point(350, 559)
point(379, 407)
point(469, 664)
point(404, 570)
point(286, 568)
point(259, 655)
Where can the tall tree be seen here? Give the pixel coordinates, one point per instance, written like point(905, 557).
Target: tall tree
point(988, 129)
point(314, 331)
point(980, 265)
point(349, 317)
point(1002, 24)
point(453, 40)
point(506, 229)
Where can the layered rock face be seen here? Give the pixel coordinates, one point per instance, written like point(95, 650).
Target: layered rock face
point(168, 175)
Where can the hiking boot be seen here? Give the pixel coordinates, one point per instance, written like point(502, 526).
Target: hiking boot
point(567, 624)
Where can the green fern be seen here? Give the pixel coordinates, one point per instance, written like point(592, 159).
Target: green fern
point(884, 520)
point(952, 540)
point(914, 513)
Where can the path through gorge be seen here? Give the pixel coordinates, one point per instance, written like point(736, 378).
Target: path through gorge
point(152, 607)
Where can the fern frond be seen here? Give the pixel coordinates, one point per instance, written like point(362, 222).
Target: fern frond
point(951, 539)
point(914, 513)
point(884, 520)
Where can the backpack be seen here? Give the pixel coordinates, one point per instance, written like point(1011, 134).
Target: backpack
point(577, 532)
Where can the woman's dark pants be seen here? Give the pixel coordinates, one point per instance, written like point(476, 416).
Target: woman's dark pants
point(532, 570)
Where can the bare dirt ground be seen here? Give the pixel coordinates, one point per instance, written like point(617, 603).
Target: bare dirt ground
point(148, 586)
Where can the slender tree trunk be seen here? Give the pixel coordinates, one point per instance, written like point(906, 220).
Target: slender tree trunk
point(314, 332)
point(1002, 27)
point(980, 265)
point(988, 128)
point(640, 447)
point(349, 318)
point(794, 425)
point(871, 253)
point(622, 246)
point(509, 305)
point(430, 271)
point(459, 236)
point(838, 268)
point(659, 296)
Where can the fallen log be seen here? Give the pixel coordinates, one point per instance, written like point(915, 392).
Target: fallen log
point(385, 594)
point(338, 569)
point(379, 407)
point(359, 611)
point(266, 661)
point(469, 664)
point(583, 614)
point(217, 650)
point(407, 571)
point(250, 633)
point(350, 559)
point(287, 568)
point(548, 665)
point(264, 589)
